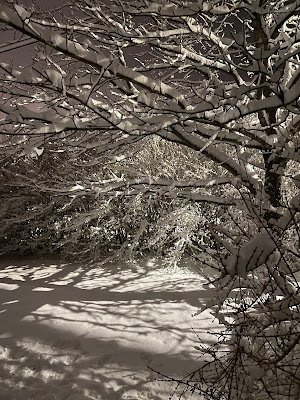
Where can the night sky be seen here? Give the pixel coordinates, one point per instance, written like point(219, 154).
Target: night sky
point(23, 55)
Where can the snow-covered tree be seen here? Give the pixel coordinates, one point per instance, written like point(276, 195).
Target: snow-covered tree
point(218, 77)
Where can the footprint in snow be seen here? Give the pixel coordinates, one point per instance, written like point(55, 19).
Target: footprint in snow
point(146, 358)
point(104, 359)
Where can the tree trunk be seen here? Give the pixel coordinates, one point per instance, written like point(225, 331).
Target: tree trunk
point(274, 167)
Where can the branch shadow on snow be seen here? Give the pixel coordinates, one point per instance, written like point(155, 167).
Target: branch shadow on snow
point(72, 330)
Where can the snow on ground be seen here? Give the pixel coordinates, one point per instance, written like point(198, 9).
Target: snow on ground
point(75, 332)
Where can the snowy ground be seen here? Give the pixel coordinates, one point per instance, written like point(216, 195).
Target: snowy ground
point(74, 332)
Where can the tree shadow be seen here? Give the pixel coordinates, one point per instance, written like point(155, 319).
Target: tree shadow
point(94, 330)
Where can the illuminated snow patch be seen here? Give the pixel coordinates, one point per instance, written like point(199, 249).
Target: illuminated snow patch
point(42, 289)
point(8, 286)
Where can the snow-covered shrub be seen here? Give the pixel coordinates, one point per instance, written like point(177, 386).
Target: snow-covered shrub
point(257, 300)
point(38, 218)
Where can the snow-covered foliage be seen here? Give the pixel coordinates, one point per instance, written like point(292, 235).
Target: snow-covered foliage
point(219, 78)
point(120, 76)
point(41, 221)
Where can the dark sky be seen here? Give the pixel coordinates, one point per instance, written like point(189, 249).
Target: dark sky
point(46, 4)
point(23, 55)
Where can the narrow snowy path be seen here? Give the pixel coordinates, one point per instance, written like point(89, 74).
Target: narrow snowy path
point(71, 332)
